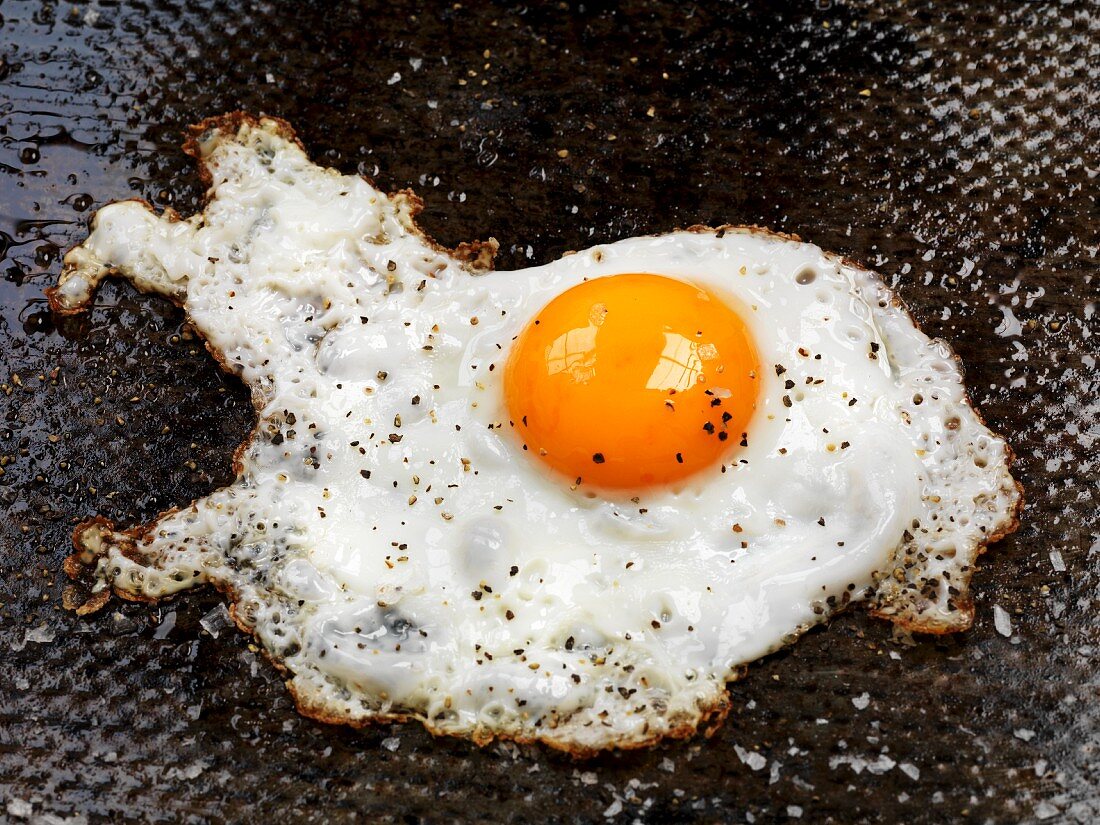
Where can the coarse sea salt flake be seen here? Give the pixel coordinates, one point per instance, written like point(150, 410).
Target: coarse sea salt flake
point(1046, 810)
point(753, 759)
point(216, 620)
point(39, 635)
point(19, 808)
point(188, 772)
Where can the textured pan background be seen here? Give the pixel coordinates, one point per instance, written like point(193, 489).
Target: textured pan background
point(954, 150)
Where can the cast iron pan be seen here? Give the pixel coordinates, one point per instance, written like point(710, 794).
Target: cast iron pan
point(953, 149)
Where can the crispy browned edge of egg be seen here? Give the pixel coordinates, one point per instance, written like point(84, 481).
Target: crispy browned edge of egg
point(478, 257)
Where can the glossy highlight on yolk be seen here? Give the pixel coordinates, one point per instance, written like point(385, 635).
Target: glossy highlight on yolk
point(632, 381)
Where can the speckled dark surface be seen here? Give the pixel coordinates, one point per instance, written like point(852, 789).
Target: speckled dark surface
point(955, 150)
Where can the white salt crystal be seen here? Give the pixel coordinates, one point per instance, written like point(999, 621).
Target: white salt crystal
point(751, 758)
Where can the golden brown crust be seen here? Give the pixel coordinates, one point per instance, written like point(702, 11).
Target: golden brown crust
point(751, 229)
point(966, 607)
point(231, 123)
point(52, 291)
point(477, 255)
point(710, 719)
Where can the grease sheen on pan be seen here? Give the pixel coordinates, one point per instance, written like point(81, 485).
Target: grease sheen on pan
point(395, 549)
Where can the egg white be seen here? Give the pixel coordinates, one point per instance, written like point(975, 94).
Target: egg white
point(394, 548)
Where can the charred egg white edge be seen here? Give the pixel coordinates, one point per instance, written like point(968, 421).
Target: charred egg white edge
point(391, 546)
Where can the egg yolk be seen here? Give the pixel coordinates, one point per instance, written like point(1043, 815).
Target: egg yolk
point(632, 381)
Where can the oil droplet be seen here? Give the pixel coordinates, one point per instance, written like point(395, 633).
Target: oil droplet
point(46, 254)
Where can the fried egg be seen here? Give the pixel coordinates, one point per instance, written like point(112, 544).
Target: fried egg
point(565, 504)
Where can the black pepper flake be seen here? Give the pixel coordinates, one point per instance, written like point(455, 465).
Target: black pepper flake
point(679, 458)
point(788, 384)
point(477, 594)
point(786, 401)
point(395, 438)
point(709, 428)
point(722, 436)
point(598, 458)
point(780, 369)
point(365, 473)
point(509, 615)
point(568, 643)
point(513, 570)
point(726, 417)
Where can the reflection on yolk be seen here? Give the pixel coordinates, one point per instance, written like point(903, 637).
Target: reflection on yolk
point(632, 381)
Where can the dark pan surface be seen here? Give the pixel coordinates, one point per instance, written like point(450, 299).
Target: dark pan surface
point(966, 173)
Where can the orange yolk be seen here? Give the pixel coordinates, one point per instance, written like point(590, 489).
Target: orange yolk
point(632, 381)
